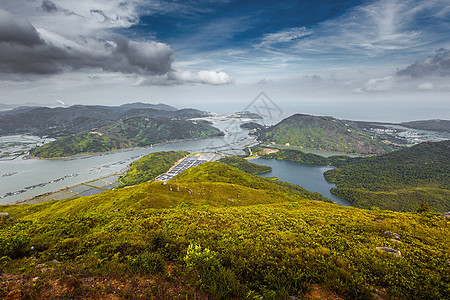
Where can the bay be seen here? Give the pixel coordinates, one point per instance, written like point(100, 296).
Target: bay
point(309, 177)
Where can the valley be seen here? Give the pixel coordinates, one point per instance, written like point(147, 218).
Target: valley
point(205, 223)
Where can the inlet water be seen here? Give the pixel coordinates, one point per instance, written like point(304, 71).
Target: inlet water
point(309, 177)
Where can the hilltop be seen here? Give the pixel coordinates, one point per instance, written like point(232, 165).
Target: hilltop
point(323, 133)
point(215, 232)
point(132, 132)
point(150, 166)
point(244, 165)
point(401, 180)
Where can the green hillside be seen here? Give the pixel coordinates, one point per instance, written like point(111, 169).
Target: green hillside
point(244, 165)
point(323, 133)
point(150, 166)
point(132, 132)
point(302, 157)
point(214, 232)
point(400, 180)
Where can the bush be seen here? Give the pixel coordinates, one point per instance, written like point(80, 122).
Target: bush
point(146, 263)
point(15, 246)
point(214, 278)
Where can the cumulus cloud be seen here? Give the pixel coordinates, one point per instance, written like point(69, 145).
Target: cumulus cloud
point(16, 31)
point(438, 65)
point(26, 50)
point(183, 77)
point(205, 77)
point(23, 50)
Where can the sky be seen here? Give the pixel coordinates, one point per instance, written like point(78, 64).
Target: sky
point(386, 60)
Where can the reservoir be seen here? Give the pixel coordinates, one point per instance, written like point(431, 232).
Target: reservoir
point(309, 177)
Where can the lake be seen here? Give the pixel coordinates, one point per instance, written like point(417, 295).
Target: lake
point(309, 177)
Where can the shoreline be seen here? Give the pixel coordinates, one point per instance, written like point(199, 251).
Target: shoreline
point(24, 201)
point(313, 151)
point(94, 154)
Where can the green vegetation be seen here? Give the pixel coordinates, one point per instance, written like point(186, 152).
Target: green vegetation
point(214, 232)
point(323, 133)
point(306, 158)
point(150, 166)
point(133, 132)
point(434, 125)
point(84, 143)
point(244, 165)
point(400, 180)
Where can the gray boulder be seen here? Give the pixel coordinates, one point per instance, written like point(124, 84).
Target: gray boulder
point(4, 216)
point(390, 251)
point(446, 215)
point(390, 235)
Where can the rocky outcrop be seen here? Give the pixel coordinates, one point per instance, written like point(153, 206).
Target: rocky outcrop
point(390, 251)
point(391, 235)
point(4, 216)
point(446, 215)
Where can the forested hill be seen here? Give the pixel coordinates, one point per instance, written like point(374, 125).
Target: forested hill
point(56, 122)
point(433, 125)
point(132, 132)
point(401, 180)
point(323, 133)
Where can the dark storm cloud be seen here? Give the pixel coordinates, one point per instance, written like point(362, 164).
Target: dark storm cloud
point(13, 30)
point(23, 51)
point(49, 6)
point(438, 65)
point(139, 57)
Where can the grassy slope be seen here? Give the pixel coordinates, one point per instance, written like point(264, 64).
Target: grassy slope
point(323, 133)
point(400, 180)
point(306, 158)
point(244, 165)
point(213, 184)
point(150, 166)
point(269, 242)
point(137, 131)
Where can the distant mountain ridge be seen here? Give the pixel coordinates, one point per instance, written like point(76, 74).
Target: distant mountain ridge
point(323, 133)
point(78, 118)
point(433, 125)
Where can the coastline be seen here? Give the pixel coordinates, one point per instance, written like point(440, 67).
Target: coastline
point(93, 154)
point(324, 153)
point(24, 201)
